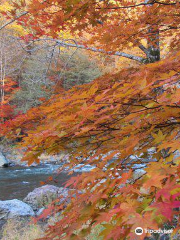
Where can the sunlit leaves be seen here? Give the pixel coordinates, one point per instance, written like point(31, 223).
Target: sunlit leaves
point(104, 125)
point(112, 123)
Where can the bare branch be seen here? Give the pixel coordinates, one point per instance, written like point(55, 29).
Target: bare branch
point(66, 43)
point(117, 53)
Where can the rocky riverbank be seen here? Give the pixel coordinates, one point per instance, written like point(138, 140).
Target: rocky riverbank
point(32, 205)
point(16, 216)
point(13, 156)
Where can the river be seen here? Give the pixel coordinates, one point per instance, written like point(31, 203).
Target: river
point(17, 182)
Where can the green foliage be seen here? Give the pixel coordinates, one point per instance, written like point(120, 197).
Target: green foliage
point(78, 70)
point(38, 80)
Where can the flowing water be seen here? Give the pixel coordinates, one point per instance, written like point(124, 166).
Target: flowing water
point(17, 182)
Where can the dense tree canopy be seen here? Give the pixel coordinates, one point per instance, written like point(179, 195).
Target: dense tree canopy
point(118, 120)
point(121, 24)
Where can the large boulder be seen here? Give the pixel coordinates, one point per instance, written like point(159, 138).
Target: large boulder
point(42, 196)
point(3, 161)
point(14, 208)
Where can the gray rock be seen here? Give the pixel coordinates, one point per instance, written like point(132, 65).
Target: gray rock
point(165, 237)
point(14, 208)
point(40, 211)
point(42, 196)
point(3, 161)
point(83, 168)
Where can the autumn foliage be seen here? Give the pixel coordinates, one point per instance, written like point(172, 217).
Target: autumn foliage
point(6, 91)
point(133, 111)
point(111, 25)
point(119, 120)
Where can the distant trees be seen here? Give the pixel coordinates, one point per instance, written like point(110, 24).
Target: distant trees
point(39, 69)
point(43, 74)
point(11, 60)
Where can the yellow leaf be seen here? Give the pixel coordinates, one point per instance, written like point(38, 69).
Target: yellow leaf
point(93, 89)
point(158, 137)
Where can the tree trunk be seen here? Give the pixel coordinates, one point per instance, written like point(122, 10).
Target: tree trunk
point(153, 44)
point(153, 41)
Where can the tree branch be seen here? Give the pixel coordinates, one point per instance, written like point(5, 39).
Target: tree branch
point(17, 17)
point(113, 8)
point(13, 20)
point(145, 50)
point(66, 43)
point(117, 53)
point(138, 5)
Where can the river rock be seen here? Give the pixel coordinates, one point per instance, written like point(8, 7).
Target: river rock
point(3, 161)
point(14, 208)
point(40, 211)
point(42, 196)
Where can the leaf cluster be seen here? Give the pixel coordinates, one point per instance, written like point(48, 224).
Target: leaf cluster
point(105, 125)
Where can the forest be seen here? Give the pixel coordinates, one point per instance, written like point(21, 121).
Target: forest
point(89, 119)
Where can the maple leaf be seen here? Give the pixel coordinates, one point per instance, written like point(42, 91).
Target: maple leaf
point(144, 221)
point(165, 208)
point(127, 111)
point(168, 190)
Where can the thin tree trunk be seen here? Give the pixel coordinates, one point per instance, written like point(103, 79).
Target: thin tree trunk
point(153, 47)
point(2, 73)
point(153, 44)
